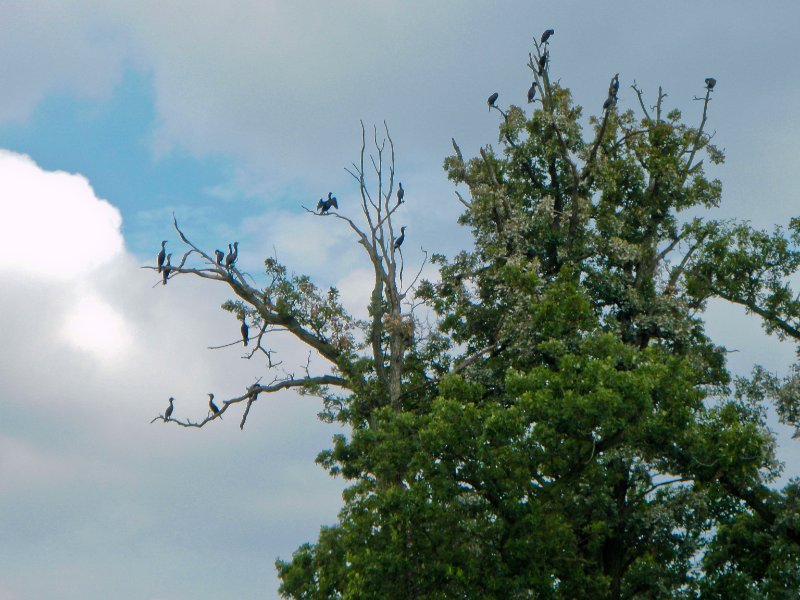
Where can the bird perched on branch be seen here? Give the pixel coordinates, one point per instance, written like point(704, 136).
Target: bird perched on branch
point(710, 83)
point(161, 256)
point(166, 270)
point(400, 193)
point(213, 407)
point(399, 241)
point(613, 88)
point(168, 412)
point(323, 206)
point(546, 35)
point(233, 254)
point(220, 255)
point(543, 62)
point(609, 102)
point(491, 100)
point(245, 332)
point(531, 92)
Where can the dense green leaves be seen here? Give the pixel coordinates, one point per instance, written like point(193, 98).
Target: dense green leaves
point(585, 442)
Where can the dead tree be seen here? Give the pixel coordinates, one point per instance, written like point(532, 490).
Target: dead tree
point(363, 360)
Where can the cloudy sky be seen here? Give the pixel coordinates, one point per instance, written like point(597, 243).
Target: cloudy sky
point(115, 114)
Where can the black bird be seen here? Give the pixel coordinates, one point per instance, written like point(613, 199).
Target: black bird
point(166, 270)
point(233, 254)
point(161, 256)
point(546, 35)
point(400, 193)
point(220, 255)
point(168, 412)
point(710, 83)
point(245, 332)
point(323, 206)
point(543, 62)
point(608, 103)
point(614, 87)
point(399, 241)
point(491, 100)
point(532, 92)
point(213, 407)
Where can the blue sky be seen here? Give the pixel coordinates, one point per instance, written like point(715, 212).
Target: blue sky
point(234, 115)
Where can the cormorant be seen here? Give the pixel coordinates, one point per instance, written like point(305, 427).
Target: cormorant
point(546, 35)
point(532, 92)
point(220, 255)
point(233, 254)
point(168, 412)
point(710, 83)
point(614, 87)
point(166, 270)
point(245, 332)
point(400, 193)
point(399, 241)
point(543, 62)
point(608, 103)
point(213, 407)
point(324, 206)
point(491, 100)
point(163, 254)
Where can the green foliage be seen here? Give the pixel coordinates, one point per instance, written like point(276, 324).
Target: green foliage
point(584, 442)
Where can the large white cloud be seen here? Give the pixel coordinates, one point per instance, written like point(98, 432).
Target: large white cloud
point(52, 224)
point(91, 350)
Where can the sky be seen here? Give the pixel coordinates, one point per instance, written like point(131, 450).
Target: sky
point(234, 115)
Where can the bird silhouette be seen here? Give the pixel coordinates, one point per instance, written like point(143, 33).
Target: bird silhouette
point(399, 241)
point(161, 256)
point(245, 332)
point(546, 35)
point(323, 206)
point(233, 254)
point(220, 255)
point(491, 100)
point(613, 88)
point(213, 407)
point(168, 412)
point(531, 92)
point(710, 83)
point(400, 193)
point(166, 270)
point(543, 62)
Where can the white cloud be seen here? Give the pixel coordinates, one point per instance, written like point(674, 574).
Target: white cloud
point(52, 223)
point(91, 350)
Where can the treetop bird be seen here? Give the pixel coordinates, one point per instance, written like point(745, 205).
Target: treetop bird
point(710, 83)
point(399, 241)
point(608, 103)
point(614, 87)
point(245, 332)
point(220, 255)
point(166, 270)
point(323, 206)
point(543, 62)
point(161, 256)
point(213, 407)
point(491, 100)
point(546, 35)
point(531, 92)
point(233, 254)
point(400, 193)
point(168, 412)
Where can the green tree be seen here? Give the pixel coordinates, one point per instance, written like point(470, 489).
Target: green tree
point(568, 430)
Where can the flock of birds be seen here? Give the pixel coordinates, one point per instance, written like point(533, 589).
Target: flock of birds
point(229, 260)
point(324, 206)
point(613, 87)
point(165, 267)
